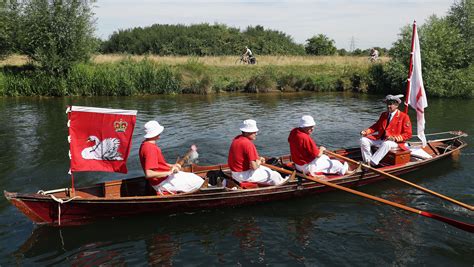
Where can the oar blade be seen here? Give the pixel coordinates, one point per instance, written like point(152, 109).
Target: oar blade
point(461, 225)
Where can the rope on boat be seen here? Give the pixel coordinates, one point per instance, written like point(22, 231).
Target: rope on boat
point(446, 149)
point(61, 201)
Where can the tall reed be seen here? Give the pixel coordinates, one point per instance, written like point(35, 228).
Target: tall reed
point(130, 76)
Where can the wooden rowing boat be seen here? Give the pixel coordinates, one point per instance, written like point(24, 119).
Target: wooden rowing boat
point(131, 197)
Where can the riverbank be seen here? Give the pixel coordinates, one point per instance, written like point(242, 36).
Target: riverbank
point(20, 60)
point(137, 75)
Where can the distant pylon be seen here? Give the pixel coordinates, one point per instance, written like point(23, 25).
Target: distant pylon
point(352, 46)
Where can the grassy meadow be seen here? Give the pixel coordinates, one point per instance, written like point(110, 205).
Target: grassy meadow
point(140, 75)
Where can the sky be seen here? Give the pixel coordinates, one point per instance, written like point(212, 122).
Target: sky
point(350, 23)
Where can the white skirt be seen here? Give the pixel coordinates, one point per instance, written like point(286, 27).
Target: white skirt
point(325, 165)
point(180, 182)
point(262, 175)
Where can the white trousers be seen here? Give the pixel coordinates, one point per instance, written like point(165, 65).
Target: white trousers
point(383, 148)
point(262, 175)
point(325, 165)
point(180, 182)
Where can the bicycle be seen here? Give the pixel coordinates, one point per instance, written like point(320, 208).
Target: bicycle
point(373, 59)
point(246, 60)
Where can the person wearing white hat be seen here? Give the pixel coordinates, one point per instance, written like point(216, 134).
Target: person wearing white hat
point(306, 155)
point(165, 178)
point(244, 161)
point(390, 131)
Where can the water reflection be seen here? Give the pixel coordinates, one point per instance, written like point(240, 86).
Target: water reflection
point(99, 244)
point(160, 250)
point(223, 237)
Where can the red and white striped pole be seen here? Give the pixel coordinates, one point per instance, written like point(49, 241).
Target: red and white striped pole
point(410, 69)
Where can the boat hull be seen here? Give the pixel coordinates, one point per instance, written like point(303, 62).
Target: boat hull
point(60, 209)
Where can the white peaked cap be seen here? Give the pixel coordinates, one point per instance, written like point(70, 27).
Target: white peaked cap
point(393, 98)
point(152, 129)
point(306, 121)
point(249, 126)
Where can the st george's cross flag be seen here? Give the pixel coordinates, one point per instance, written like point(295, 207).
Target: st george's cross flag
point(416, 92)
point(100, 138)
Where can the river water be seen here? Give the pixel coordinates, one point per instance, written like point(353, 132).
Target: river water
point(330, 229)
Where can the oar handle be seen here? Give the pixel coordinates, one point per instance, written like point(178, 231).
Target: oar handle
point(464, 205)
point(457, 224)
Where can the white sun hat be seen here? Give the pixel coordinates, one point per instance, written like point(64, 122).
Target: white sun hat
point(152, 129)
point(249, 126)
point(306, 121)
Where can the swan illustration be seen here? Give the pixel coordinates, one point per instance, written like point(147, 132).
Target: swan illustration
point(105, 150)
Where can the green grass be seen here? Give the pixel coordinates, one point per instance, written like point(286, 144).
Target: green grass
point(144, 77)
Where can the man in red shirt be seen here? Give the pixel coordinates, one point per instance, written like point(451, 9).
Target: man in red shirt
point(244, 160)
point(391, 130)
point(162, 176)
point(306, 155)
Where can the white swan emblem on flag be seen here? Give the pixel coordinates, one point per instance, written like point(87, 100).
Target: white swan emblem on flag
point(105, 150)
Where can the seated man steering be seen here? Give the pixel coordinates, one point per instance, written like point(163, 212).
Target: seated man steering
point(391, 130)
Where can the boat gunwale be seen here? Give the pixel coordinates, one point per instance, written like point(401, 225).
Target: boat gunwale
point(221, 194)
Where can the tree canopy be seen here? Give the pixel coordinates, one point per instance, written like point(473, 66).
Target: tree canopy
point(446, 54)
point(55, 34)
point(320, 45)
point(200, 40)
point(8, 26)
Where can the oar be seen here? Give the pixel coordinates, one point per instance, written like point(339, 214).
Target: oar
point(457, 224)
point(191, 154)
point(467, 206)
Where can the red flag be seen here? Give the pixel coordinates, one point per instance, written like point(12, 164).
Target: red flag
point(416, 95)
point(100, 138)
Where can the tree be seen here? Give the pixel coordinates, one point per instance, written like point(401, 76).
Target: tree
point(443, 54)
point(342, 52)
point(461, 16)
point(57, 33)
point(200, 40)
point(320, 45)
point(8, 26)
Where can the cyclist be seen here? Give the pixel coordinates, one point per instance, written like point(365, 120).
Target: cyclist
point(248, 57)
point(374, 55)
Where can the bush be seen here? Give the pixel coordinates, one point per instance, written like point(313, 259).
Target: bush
point(80, 80)
point(130, 77)
point(289, 82)
point(260, 84)
point(194, 78)
point(445, 54)
point(2, 83)
point(56, 34)
point(146, 77)
point(200, 40)
point(320, 45)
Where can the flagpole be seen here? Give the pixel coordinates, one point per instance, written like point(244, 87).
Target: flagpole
point(68, 112)
point(72, 185)
point(410, 69)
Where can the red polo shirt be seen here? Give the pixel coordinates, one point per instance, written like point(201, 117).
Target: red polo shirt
point(242, 151)
point(303, 149)
point(151, 158)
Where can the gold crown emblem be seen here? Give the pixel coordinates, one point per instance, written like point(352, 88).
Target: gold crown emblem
point(120, 126)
